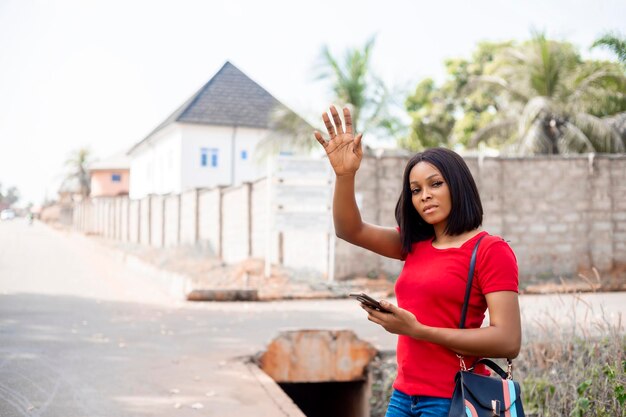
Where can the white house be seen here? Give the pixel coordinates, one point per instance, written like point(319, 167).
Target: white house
point(208, 141)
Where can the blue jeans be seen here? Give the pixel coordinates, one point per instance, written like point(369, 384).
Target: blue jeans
point(402, 405)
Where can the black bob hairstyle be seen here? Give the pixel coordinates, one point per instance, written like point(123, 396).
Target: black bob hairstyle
point(466, 212)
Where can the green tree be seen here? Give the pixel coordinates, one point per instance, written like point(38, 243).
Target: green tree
point(77, 173)
point(536, 97)
point(613, 42)
point(446, 115)
point(355, 85)
point(551, 101)
point(374, 106)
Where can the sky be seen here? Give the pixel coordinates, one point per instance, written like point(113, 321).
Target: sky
point(103, 74)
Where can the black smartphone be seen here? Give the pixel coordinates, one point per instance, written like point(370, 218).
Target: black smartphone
point(369, 301)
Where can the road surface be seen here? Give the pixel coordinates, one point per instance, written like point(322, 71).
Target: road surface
point(83, 335)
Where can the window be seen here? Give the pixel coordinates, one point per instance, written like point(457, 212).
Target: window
point(244, 155)
point(116, 177)
point(205, 153)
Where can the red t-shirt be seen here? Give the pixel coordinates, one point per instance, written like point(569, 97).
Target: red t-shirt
point(432, 286)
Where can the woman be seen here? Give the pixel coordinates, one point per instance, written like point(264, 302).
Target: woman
point(439, 214)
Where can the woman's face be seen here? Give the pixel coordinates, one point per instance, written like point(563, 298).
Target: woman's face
point(430, 194)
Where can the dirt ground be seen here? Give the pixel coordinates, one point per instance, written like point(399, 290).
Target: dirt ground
point(209, 273)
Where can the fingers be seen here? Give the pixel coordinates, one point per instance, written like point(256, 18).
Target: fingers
point(320, 139)
point(329, 125)
point(348, 118)
point(388, 306)
point(372, 314)
point(336, 119)
point(357, 141)
point(335, 126)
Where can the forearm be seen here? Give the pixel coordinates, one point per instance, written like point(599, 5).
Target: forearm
point(346, 215)
point(492, 341)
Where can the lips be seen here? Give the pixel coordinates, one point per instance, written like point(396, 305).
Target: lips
point(429, 209)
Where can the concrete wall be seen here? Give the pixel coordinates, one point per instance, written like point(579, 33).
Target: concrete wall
point(189, 217)
point(561, 215)
point(209, 220)
point(171, 226)
point(236, 223)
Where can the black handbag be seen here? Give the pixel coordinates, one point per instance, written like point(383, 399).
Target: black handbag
point(479, 395)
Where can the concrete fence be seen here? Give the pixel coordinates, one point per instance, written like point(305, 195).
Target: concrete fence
point(561, 215)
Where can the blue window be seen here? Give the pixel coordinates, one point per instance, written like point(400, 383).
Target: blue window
point(205, 153)
point(244, 154)
point(116, 177)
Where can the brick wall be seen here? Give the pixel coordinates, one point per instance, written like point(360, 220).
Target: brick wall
point(561, 215)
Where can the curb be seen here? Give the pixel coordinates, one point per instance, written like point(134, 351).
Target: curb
point(274, 392)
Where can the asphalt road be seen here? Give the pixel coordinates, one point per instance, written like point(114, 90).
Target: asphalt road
point(82, 335)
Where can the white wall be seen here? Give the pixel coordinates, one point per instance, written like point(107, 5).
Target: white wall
point(155, 166)
point(248, 170)
point(222, 141)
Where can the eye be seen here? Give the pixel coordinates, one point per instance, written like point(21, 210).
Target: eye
point(415, 191)
point(437, 184)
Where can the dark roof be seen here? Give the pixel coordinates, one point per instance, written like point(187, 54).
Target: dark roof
point(230, 98)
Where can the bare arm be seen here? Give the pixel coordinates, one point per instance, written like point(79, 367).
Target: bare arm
point(501, 339)
point(345, 154)
point(349, 226)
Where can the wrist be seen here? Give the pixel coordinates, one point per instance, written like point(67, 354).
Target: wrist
point(419, 331)
point(346, 176)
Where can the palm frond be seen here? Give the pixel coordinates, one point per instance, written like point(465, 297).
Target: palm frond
point(532, 110)
point(586, 83)
point(533, 141)
point(574, 140)
point(602, 136)
point(615, 43)
point(499, 82)
point(493, 128)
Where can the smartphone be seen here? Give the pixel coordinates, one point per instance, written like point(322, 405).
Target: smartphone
point(369, 301)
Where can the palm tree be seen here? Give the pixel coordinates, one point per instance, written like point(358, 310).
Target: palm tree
point(78, 174)
point(354, 85)
point(615, 43)
point(551, 101)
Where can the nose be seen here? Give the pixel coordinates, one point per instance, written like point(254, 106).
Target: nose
point(426, 194)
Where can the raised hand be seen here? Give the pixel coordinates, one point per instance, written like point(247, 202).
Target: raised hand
point(343, 149)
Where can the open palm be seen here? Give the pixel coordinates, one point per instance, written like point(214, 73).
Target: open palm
point(343, 149)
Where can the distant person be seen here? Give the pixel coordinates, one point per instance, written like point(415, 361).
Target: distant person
point(439, 215)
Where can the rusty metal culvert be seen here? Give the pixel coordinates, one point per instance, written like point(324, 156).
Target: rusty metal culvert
point(314, 366)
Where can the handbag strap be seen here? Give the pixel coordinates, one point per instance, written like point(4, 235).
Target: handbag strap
point(468, 289)
point(494, 367)
point(470, 278)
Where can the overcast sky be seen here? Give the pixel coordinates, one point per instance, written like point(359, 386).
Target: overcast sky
point(103, 74)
